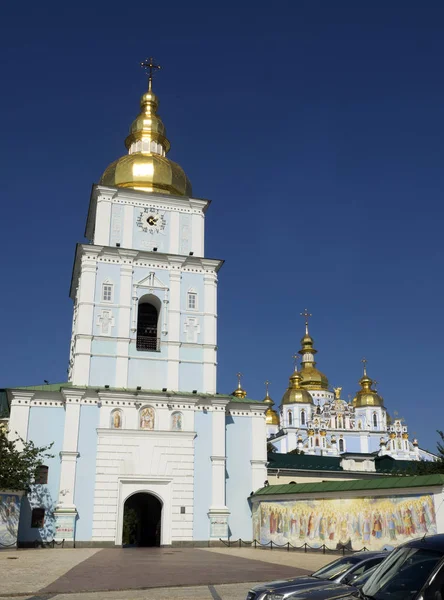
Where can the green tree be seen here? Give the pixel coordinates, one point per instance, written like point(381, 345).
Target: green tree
point(296, 451)
point(19, 466)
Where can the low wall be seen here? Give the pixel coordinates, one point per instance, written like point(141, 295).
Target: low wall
point(373, 522)
point(10, 502)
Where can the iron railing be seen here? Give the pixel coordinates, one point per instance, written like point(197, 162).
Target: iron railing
point(305, 547)
point(148, 343)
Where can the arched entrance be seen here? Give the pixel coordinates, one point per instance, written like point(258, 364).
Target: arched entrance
point(142, 515)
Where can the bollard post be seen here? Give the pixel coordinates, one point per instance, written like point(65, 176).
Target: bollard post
point(323, 548)
point(240, 543)
point(288, 546)
point(271, 545)
point(255, 542)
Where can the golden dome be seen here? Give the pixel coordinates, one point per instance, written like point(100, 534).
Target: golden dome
point(294, 394)
point(271, 416)
point(146, 167)
point(312, 378)
point(239, 392)
point(366, 396)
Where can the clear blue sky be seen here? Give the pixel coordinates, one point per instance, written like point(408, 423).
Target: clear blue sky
point(316, 129)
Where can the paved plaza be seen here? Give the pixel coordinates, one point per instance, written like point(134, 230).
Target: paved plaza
point(146, 573)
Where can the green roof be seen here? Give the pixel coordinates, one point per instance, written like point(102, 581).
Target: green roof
point(378, 484)
point(57, 387)
point(306, 462)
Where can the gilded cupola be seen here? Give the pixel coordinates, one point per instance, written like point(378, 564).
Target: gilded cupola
point(367, 396)
point(312, 378)
point(146, 166)
point(239, 392)
point(295, 394)
point(271, 416)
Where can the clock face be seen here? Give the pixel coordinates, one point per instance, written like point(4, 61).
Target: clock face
point(150, 220)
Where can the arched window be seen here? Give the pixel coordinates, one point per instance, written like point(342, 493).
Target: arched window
point(147, 326)
point(375, 420)
point(341, 445)
point(176, 421)
point(116, 419)
point(302, 417)
point(146, 417)
point(290, 418)
point(317, 442)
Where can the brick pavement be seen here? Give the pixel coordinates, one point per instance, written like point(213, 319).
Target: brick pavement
point(139, 568)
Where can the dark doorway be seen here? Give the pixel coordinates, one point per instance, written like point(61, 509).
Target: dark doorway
point(142, 520)
point(147, 317)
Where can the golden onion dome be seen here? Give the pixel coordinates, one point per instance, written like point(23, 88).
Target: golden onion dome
point(239, 392)
point(312, 378)
point(366, 396)
point(271, 416)
point(146, 166)
point(295, 394)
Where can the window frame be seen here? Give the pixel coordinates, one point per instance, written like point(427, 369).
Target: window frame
point(192, 294)
point(42, 474)
point(107, 284)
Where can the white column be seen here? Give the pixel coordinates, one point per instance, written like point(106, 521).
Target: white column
point(173, 327)
point(218, 511)
point(174, 227)
point(66, 512)
point(102, 221)
point(259, 448)
point(210, 333)
point(128, 224)
point(124, 325)
point(197, 236)
point(84, 322)
point(19, 418)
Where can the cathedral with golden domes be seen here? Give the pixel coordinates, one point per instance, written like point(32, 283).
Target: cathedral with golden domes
point(314, 419)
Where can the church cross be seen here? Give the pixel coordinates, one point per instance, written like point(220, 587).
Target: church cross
point(239, 377)
point(150, 67)
point(364, 362)
point(267, 383)
point(306, 316)
point(295, 358)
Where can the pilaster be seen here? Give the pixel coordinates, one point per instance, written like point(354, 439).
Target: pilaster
point(218, 511)
point(174, 328)
point(66, 512)
point(259, 448)
point(19, 419)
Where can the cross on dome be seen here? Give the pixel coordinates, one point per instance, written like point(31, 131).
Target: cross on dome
point(306, 316)
point(150, 68)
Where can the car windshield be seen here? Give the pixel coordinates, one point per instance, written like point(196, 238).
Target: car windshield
point(334, 569)
point(402, 575)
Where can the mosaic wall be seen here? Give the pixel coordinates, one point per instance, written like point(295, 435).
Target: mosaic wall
point(9, 518)
point(370, 522)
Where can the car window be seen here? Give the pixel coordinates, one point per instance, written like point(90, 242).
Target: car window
point(360, 569)
point(402, 575)
point(334, 569)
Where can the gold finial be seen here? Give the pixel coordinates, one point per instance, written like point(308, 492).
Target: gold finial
point(375, 385)
point(267, 383)
point(295, 358)
point(150, 67)
point(364, 362)
point(306, 316)
point(239, 392)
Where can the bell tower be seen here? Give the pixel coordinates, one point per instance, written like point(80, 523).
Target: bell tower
point(145, 296)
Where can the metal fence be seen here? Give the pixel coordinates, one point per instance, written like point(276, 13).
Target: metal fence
point(289, 546)
point(34, 544)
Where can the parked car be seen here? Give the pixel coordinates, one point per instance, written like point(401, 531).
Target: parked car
point(340, 571)
point(412, 571)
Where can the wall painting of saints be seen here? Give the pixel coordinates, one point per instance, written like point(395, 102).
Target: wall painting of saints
point(147, 418)
point(176, 421)
point(116, 419)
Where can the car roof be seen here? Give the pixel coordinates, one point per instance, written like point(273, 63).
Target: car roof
point(363, 554)
point(430, 542)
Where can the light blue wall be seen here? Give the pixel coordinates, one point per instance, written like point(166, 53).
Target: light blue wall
point(46, 426)
point(202, 475)
point(373, 443)
point(116, 224)
point(86, 471)
point(111, 272)
point(149, 374)
point(101, 347)
point(352, 443)
point(186, 238)
point(238, 473)
point(102, 371)
point(191, 377)
point(147, 241)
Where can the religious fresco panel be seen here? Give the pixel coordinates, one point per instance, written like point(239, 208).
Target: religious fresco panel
point(373, 523)
point(9, 518)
